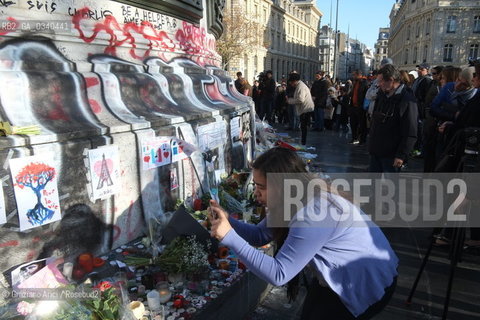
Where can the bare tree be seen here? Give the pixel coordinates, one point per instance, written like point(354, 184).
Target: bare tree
point(241, 35)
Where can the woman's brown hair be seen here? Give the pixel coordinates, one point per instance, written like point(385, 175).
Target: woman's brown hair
point(450, 73)
point(282, 160)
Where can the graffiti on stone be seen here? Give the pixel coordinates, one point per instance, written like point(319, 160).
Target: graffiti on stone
point(6, 3)
point(54, 83)
point(122, 34)
point(158, 20)
point(87, 13)
point(49, 7)
point(192, 40)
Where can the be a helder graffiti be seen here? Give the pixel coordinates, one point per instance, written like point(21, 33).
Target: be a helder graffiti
point(123, 34)
point(189, 39)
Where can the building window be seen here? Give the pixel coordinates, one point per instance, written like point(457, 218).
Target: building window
point(425, 53)
point(418, 30)
point(476, 24)
point(451, 24)
point(406, 57)
point(427, 27)
point(415, 54)
point(408, 32)
point(378, 50)
point(447, 53)
point(384, 50)
point(473, 54)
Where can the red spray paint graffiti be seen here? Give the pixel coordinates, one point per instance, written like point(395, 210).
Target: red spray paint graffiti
point(12, 243)
point(190, 39)
point(122, 34)
point(57, 112)
point(132, 231)
point(32, 253)
point(90, 81)
point(116, 233)
point(215, 94)
point(96, 108)
point(193, 40)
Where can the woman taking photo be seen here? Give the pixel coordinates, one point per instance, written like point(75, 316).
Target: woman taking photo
point(354, 266)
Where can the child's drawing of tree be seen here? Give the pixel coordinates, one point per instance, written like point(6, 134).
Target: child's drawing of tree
point(36, 176)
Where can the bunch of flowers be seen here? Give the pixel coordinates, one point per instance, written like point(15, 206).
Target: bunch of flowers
point(25, 308)
point(184, 255)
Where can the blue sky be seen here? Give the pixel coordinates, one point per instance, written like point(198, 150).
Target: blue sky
point(365, 17)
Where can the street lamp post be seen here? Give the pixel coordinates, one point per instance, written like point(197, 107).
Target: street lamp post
point(329, 65)
point(336, 44)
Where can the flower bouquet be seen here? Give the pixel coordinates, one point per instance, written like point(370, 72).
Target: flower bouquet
point(184, 255)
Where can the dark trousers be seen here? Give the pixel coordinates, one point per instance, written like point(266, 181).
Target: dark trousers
point(430, 133)
point(265, 111)
point(379, 164)
point(358, 122)
point(319, 115)
point(475, 233)
point(419, 142)
point(304, 123)
point(323, 303)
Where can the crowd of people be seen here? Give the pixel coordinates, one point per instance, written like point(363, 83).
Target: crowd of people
point(427, 113)
point(421, 113)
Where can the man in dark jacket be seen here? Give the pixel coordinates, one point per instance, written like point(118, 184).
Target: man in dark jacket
point(358, 119)
point(393, 130)
point(319, 93)
point(420, 88)
point(293, 119)
point(268, 96)
point(430, 129)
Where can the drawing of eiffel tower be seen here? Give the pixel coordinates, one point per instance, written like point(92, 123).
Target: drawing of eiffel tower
point(104, 174)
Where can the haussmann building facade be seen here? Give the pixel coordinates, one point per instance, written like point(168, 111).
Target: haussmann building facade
point(438, 32)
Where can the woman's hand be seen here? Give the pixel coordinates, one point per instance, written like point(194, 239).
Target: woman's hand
point(397, 163)
point(443, 126)
point(219, 220)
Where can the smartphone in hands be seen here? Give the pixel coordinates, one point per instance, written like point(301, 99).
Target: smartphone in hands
point(213, 213)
